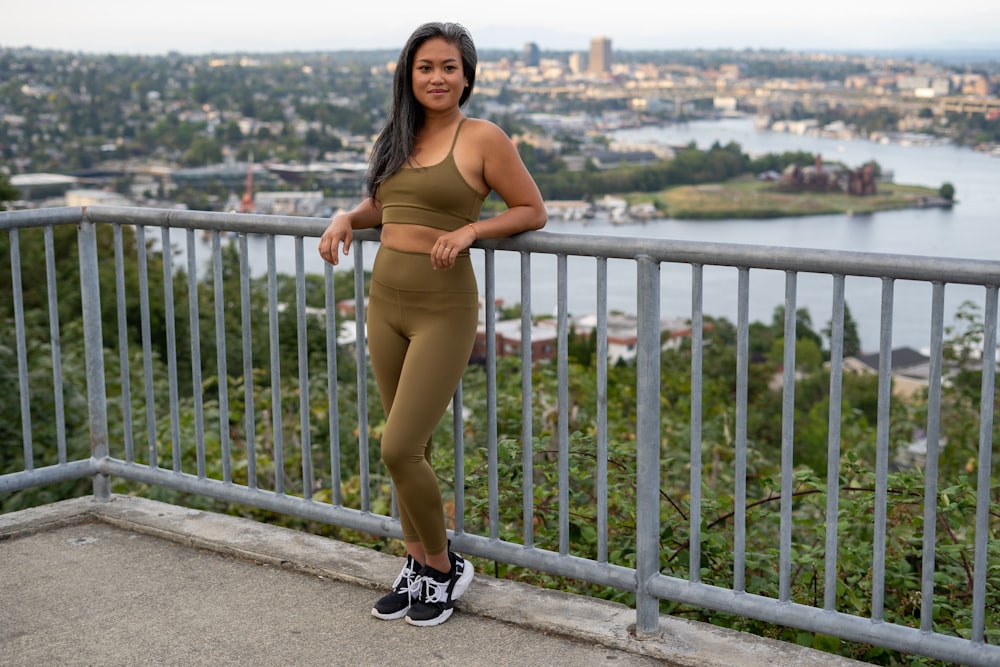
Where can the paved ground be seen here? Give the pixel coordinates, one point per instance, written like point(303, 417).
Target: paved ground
point(136, 582)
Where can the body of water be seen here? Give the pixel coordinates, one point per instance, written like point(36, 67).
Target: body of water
point(971, 229)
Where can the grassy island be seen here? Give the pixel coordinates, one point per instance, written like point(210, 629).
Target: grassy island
point(747, 197)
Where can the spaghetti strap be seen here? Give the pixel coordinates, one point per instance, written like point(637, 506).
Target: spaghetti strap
point(454, 140)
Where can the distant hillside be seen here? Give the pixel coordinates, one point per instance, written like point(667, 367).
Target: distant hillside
point(948, 55)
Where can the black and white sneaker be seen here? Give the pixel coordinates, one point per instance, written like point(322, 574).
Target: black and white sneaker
point(404, 592)
point(438, 591)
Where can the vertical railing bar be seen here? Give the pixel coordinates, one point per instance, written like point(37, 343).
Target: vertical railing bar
point(152, 446)
point(171, 341)
point(458, 452)
point(697, 353)
point(787, 440)
point(932, 452)
point(562, 400)
point(602, 409)
point(195, 326)
point(527, 433)
point(983, 490)
point(305, 435)
point(22, 350)
point(124, 372)
point(740, 483)
point(93, 342)
point(882, 452)
point(833, 445)
point(333, 418)
point(56, 344)
point(249, 414)
point(361, 352)
point(492, 463)
point(647, 522)
point(277, 418)
point(222, 364)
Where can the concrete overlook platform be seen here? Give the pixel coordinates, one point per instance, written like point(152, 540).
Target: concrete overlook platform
point(138, 582)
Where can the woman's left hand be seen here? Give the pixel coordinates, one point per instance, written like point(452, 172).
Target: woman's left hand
point(446, 248)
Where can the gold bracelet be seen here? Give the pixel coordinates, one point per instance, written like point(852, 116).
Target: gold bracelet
point(474, 232)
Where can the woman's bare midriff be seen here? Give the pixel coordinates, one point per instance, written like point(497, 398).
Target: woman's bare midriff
point(408, 237)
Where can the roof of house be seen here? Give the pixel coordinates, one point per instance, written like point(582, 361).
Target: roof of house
point(900, 359)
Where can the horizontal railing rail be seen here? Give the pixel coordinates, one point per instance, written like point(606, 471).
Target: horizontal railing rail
point(245, 430)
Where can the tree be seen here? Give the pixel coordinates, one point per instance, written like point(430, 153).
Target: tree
point(202, 151)
point(947, 191)
point(803, 325)
point(7, 191)
point(232, 133)
point(852, 341)
point(808, 356)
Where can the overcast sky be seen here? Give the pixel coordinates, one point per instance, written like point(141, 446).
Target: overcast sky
point(207, 26)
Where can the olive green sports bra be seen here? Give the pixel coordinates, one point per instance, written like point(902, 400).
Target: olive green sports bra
point(435, 196)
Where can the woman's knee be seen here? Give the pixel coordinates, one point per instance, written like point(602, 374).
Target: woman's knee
point(397, 457)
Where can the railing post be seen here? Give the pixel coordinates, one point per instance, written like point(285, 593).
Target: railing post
point(93, 343)
point(647, 523)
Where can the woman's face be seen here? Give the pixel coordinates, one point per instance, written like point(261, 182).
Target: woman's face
point(438, 78)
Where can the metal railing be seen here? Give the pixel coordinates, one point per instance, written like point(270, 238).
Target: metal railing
point(115, 435)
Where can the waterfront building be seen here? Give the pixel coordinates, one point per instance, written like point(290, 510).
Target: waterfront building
point(42, 185)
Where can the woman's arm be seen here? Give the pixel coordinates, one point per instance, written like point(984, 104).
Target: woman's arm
point(365, 215)
point(490, 161)
point(504, 173)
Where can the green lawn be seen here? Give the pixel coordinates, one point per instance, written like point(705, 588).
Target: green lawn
point(750, 198)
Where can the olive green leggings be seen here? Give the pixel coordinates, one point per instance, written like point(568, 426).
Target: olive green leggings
point(421, 329)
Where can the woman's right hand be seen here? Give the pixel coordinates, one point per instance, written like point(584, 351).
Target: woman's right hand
point(338, 232)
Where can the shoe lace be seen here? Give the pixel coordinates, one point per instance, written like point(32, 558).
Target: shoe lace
point(432, 591)
point(414, 586)
point(408, 580)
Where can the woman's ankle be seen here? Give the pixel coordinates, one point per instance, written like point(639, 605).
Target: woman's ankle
point(440, 562)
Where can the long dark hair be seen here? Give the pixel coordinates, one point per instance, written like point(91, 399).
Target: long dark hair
point(395, 142)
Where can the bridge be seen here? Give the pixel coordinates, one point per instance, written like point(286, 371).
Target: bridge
point(262, 450)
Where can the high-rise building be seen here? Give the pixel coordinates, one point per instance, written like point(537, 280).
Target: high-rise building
point(531, 55)
point(576, 62)
point(600, 56)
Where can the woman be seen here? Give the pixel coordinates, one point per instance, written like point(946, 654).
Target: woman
point(431, 169)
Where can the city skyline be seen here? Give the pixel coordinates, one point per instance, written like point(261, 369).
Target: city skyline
point(116, 26)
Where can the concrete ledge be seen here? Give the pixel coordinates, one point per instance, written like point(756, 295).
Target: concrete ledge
point(680, 643)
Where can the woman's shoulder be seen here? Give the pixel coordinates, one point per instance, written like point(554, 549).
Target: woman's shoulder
point(485, 132)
